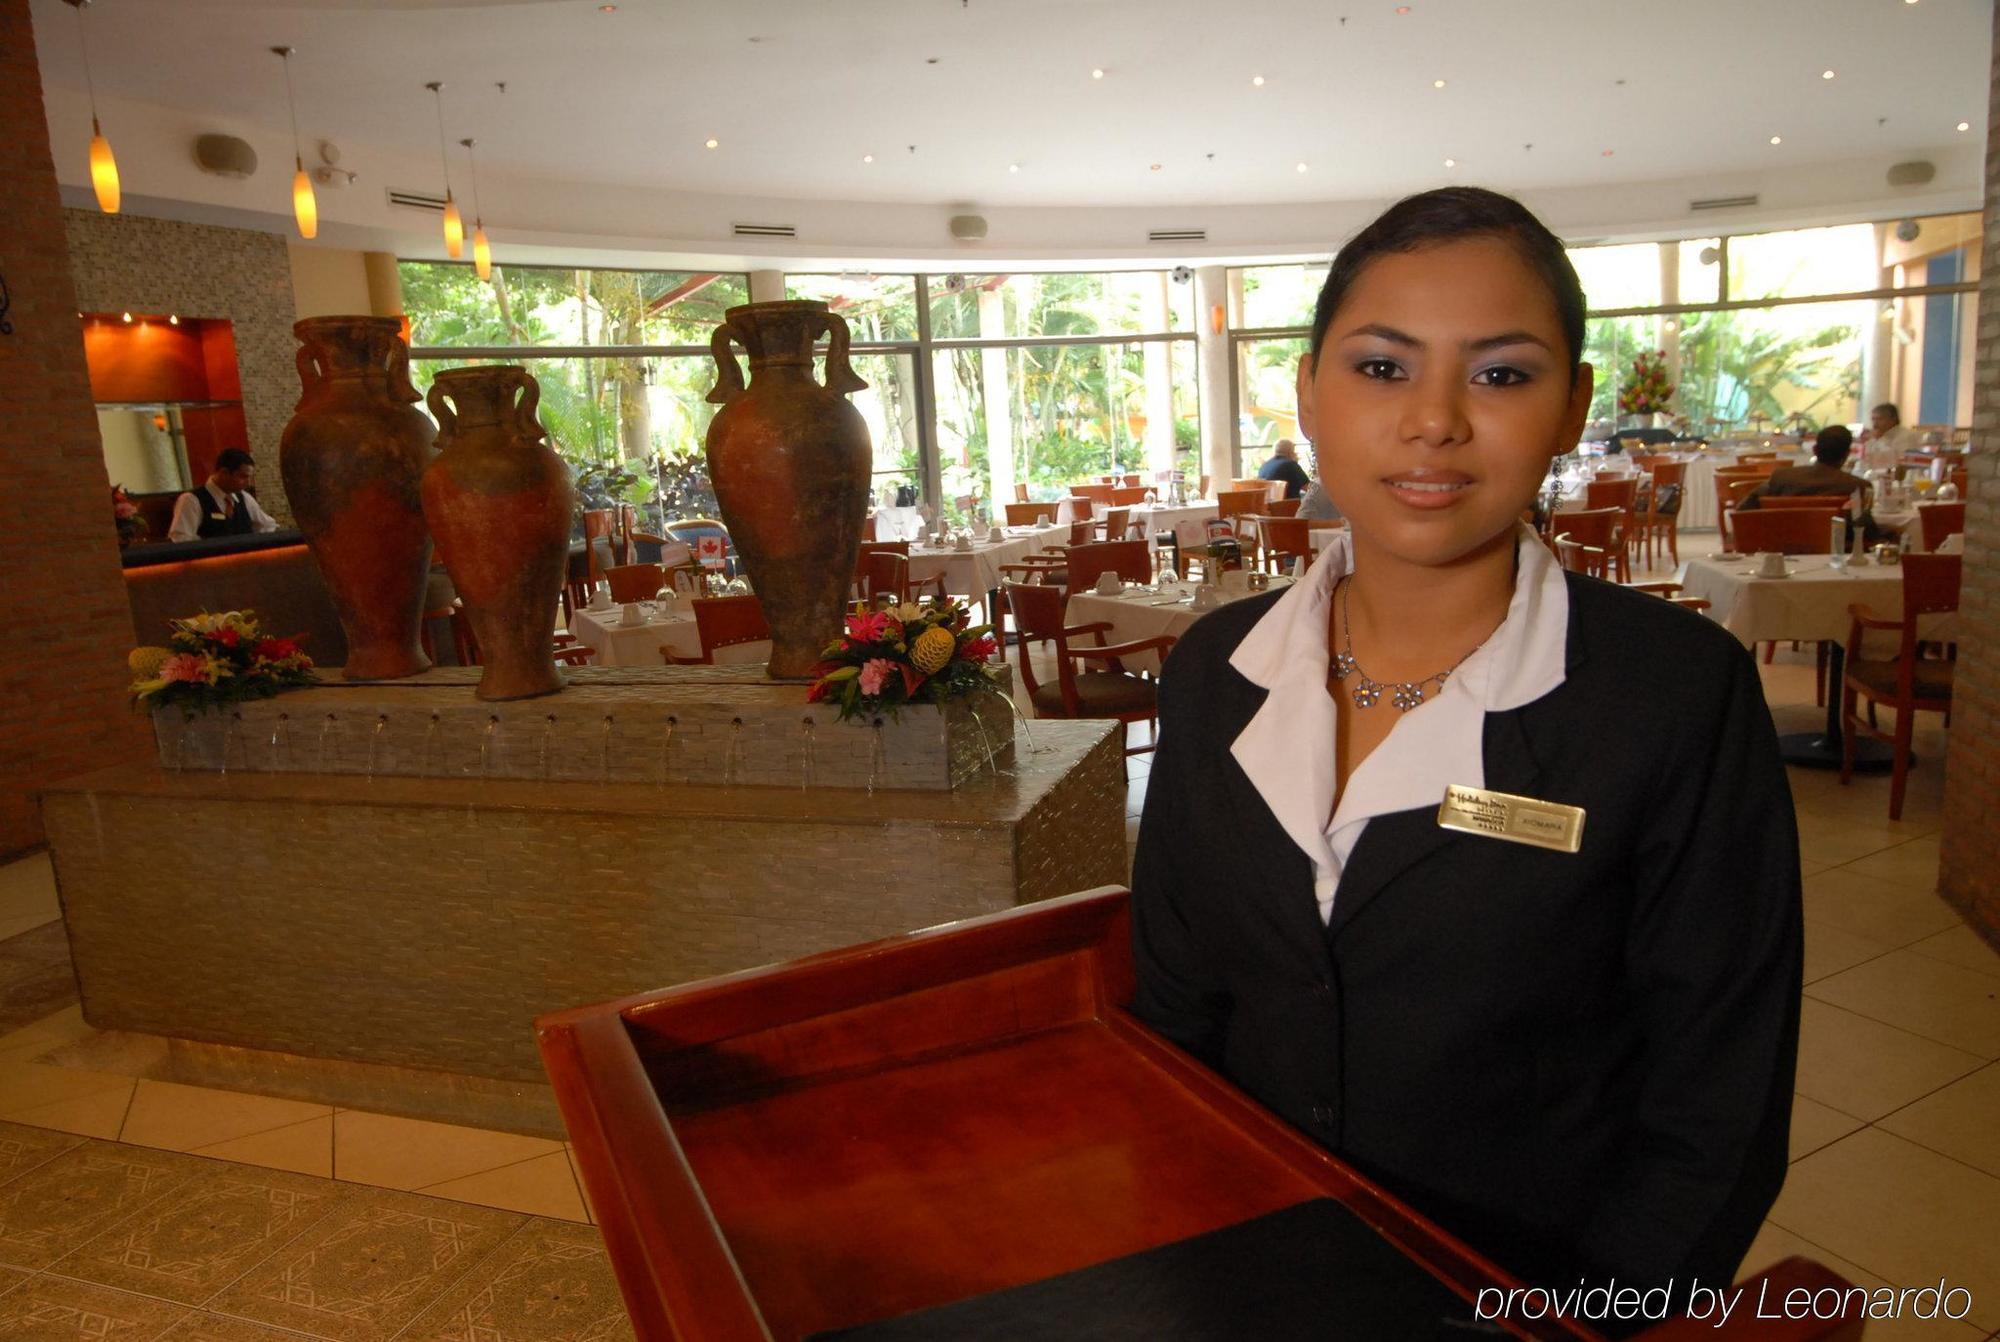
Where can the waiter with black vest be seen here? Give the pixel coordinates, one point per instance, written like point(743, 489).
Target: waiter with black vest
point(223, 506)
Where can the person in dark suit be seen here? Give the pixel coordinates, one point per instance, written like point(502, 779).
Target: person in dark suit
point(223, 505)
point(1284, 465)
point(1581, 1061)
point(1827, 477)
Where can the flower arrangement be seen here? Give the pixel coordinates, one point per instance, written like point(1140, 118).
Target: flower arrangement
point(212, 660)
point(1646, 390)
point(905, 654)
point(125, 514)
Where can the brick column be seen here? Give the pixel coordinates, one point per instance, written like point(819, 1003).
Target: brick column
point(67, 623)
point(1970, 877)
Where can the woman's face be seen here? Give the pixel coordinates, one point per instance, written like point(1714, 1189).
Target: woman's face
point(1440, 394)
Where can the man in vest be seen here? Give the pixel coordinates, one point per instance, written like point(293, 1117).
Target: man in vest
point(222, 506)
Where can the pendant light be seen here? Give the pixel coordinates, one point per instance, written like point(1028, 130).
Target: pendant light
point(482, 251)
point(305, 205)
point(103, 167)
point(454, 223)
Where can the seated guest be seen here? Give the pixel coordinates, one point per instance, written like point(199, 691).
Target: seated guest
point(1318, 505)
point(1284, 465)
point(1885, 440)
point(1824, 478)
point(222, 506)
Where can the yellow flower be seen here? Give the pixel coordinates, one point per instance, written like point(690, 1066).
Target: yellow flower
point(909, 611)
point(932, 650)
point(145, 662)
point(214, 669)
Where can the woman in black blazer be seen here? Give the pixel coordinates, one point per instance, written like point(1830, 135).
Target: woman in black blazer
point(1580, 1061)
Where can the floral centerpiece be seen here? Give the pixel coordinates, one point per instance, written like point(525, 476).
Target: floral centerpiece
point(211, 660)
point(1646, 390)
point(905, 654)
point(125, 514)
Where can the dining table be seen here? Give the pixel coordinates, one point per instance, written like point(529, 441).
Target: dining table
point(1142, 610)
point(1809, 605)
point(972, 568)
point(664, 624)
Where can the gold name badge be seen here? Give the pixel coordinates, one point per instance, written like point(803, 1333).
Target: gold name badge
point(1500, 815)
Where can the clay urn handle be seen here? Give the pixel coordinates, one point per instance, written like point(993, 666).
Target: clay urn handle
point(441, 410)
point(397, 365)
point(840, 375)
point(728, 373)
point(526, 421)
point(312, 375)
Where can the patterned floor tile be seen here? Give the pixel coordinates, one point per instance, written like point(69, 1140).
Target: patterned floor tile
point(206, 1233)
point(204, 1327)
point(364, 1272)
point(23, 1148)
point(52, 1209)
point(56, 1309)
point(10, 1277)
point(550, 1283)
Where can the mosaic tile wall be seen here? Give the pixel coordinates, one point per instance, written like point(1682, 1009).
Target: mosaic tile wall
point(123, 262)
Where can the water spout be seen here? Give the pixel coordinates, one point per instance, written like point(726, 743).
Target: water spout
point(374, 745)
point(542, 750)
point(431, 748)
point(604, 752)
point(326, 729)
point(876, 755)
point(486, 746)
point(809, 763)
point(281, 743)
point(732, 759)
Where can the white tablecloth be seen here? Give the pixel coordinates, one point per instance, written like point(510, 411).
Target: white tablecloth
point(976, 571)
point(620, 644)
point(1134, 615)
point(1808, 606)
point(1187, 521)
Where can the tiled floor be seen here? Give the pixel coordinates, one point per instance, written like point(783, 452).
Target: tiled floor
point(146, 1209)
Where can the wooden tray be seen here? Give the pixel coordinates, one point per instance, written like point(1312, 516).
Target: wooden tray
point(958, 1111)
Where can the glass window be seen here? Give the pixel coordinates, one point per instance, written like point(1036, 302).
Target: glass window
point(1267, 395)
point(890, 407)
point(1275, 296)
point(1804, 261)
point(1648, 274)
point(529, 305)
point(1129, 302)
point(877, 307)
point(1781, 367)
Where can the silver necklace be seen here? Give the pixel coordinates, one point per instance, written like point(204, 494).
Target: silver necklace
point(1367, 691)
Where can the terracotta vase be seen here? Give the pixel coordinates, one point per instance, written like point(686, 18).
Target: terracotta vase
point(790, 460)
point(352, 458)
point(499, 501)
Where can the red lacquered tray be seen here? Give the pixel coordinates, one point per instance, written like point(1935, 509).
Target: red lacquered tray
point(936, 1116)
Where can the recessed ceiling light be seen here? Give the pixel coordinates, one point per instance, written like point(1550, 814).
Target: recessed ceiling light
point(714, 144)
point(1965, 125)
point(1909, 2)
point(1299, 167)
point(173, 319)
point(1402, 9)
point(1777, 139)
point(867, 158)
point(607, 9)
point(128, 316)
point(1097, 72)
point(1257, 80)
point(1451, 163)
point(1609, 152)
point(1013, 167)
point(1826, 74)
point(1437, 83)
point(1158, 166)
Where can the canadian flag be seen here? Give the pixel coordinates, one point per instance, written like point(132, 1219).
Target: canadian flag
point(709, 549)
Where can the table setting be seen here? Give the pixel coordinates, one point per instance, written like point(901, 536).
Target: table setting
point(633, 634)
point(1136, 611)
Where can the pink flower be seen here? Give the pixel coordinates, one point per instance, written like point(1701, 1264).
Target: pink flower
point(875, 672)
point(867, 628)
point(183, 666)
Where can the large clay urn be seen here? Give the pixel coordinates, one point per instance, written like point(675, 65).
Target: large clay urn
point(499, 501)
point(790, 460)
point(352, 459)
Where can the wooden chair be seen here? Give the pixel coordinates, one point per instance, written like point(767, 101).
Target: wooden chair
point(1128, 495)
point(1906, 683)
point(1283, 507)
point(858, 591)
point(1099, 494)
point(1030, 514)
point(1792, 531)
point(1660, 509)
point(1284, 539)
point(1117, 521)
point(1621, 493)
point(1051, 566)
point(1576, 557)
point(635, 582)
point(1598, 529)
point(888, 575)
point(1129, 481)
point(1232, 505)
point(1020, 493)
point(1671, 592)
point(604, 541)
point(1730, 490)
point(721, 622)
point(1132, 561)
point(1960, 479)
point(1756, 458)
point(1938, 521)
point(1112, 692)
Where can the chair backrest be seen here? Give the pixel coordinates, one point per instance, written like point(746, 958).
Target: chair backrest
point(868, 527)
point(1940, 520)
point(1236, 502)
point(1283, 507)
point(1020, 493)
point(1666, 472)
point(1930, 584)
point(868, 548)
point(1784, 501)
point(1082, 533)
point(1792, 531)
point(1129, 480)
point(1038, 614)
point(1099, 494)
point(1576, 557)
point(1729, 491)
point(635, 582)
point(1129, 493)
point(1761, 469)
point(1116, 522)
point(1960, 479)
point(1257, 483)
point(1622, 494)
point(1595, 527)
point(721, 621)
point(1132, 561)
point(1286, 535)
point(1203, 489)
point(1030, 514)
point(1755, 458)
point(886, 572)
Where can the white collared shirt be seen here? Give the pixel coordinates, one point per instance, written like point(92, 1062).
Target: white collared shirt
point(1287, 747)
point(189, 507)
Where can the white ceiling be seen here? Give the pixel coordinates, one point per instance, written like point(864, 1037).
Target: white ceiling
point(797, 91)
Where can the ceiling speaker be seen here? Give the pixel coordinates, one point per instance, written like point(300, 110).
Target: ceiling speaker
point(225, 156)
point(1908, 230)
point(968, 227)
point(1917, 172)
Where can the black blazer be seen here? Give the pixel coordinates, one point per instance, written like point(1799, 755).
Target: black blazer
point(1581, 1064)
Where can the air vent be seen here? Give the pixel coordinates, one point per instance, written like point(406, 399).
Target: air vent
point(416, 200)
point(764, 231)
point(1178, 235)
point(1723, 203)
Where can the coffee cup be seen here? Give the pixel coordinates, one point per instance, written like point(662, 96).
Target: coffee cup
point(962, 543)
point(630, 614)
point(1109, 584)
point(996, 535)
point(1770, 564)
point(600, 599)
